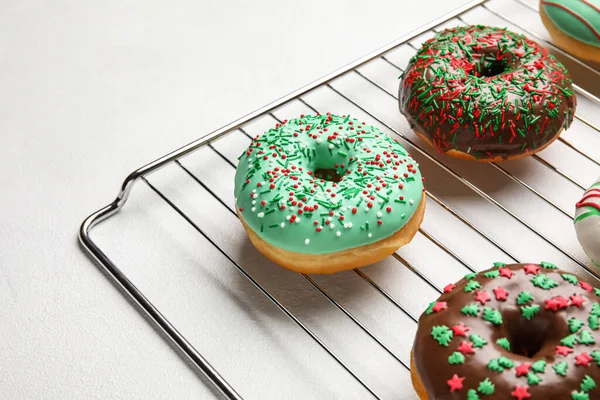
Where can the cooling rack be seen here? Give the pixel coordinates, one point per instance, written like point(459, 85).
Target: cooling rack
point(349, 334)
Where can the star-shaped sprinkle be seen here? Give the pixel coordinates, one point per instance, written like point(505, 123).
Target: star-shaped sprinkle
point(466, 348)
point(577, 301)
point(506, 272)
point(500, 293)
point(455, 383)
point(482, 297)
point(557, 303)
point(459, 330)
point(449, 287)
point(439, 306)
point(521, 392)
point(523, 369)
point(563, 350)
point(586, 286)
point(583, 359)
point(531, 269)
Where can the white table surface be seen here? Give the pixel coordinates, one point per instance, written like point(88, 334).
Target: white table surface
point(90, 90)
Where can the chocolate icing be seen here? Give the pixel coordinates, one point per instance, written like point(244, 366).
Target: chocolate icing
point(486, 91)
point(530, 341)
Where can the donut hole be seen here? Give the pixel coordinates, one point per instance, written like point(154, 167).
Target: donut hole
point(491, 68)
point(528, 338)
point(328, 174)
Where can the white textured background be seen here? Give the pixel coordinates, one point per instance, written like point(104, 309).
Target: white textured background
point(92, 90)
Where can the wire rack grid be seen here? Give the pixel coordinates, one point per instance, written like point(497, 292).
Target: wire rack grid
point(493, 208)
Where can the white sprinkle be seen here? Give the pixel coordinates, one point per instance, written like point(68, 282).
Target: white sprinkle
point(253, 190)
point(328, 218)
point(379, 214)
point(349, 208)
point(288, 217)
point(253, 202)
point(338, 234)
point(370, 234)
point(380, 201)
point(297, 220)
point(346, 226)
point(307, 241)
point(254, 195)
point(331, 146)
point(411, 201)
point(331, 226)
point(282, 225)
point(260, 214)
point(349, 224)
point(253, 209)
point(366, 209)
point(319, 140)
point(292, 208)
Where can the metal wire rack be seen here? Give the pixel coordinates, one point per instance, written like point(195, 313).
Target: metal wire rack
point(505, 226)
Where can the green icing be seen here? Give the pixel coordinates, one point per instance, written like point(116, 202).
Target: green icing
point(392, 197)
point(568, 16)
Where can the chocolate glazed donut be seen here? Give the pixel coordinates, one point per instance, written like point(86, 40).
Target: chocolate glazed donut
point(486, 94)
point(511, 332)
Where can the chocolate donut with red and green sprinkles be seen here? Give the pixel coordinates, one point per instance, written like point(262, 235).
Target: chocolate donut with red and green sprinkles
point(486, 94)
point(520, 331)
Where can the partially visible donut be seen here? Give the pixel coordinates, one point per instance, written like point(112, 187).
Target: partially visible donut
point(520, 331)
point(587, 222)
point(574, 25)
point(326, 193)
point(486, 94)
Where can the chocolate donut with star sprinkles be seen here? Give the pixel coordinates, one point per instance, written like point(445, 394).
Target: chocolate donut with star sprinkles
point(486, 94)
point(520, 331)
point(326, 193)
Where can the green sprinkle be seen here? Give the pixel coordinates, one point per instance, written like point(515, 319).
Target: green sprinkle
point(529, 311)
point(470, 309)
point(587, 384)
point(596, 356)
point(470, 276)
point(492, 274)
point(499, 264)
point(570, 278)
point(586, 338)
point(456, 358)
point(548, 265)
point(542, 281)
point(570, 341)
point(524, 297)
point(561, 368)
point(575, 324)
point(442, 334)
point(472, 285)
point(486, 387)
point(491, 315)
point(593, 321)
point(533, 379)
point(580, 396)
point(503, 342)
point(477, 340)
point(472, 395)
point(539, 366)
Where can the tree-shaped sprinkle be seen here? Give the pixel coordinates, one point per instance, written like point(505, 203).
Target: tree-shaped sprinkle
point(442, 334)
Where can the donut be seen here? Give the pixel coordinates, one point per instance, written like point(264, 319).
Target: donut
point(327, 193)
point(486, 94)
point(574, 25)
point(520, 331)
point(587, 222)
